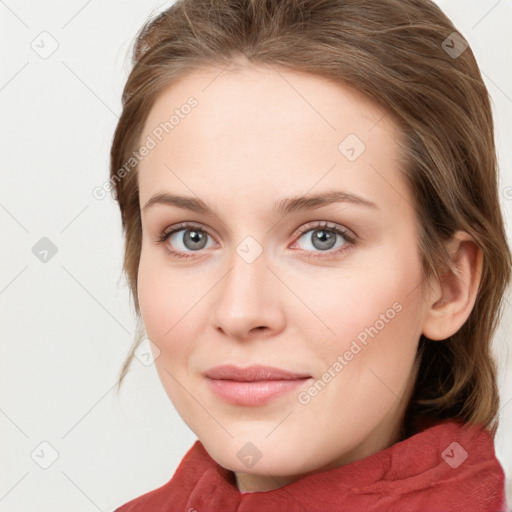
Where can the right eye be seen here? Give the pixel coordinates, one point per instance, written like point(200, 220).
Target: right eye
point(184, 239)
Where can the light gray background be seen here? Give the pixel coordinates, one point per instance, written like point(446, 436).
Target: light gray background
point(67, 324)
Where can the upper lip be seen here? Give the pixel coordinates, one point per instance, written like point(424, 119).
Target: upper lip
point(252, 373)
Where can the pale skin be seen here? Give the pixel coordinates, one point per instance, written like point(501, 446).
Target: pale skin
point(252, 141)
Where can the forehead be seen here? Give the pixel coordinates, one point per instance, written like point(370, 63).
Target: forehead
point(261, 123)
point(266, 99)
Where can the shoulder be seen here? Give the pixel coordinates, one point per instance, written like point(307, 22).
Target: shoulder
point(177, 489)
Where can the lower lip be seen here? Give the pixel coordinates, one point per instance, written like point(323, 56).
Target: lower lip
point(255, 392)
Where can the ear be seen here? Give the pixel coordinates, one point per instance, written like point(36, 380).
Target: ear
point(453, 296)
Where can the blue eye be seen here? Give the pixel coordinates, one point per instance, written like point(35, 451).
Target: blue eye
point(191, 237)
point(325, 239)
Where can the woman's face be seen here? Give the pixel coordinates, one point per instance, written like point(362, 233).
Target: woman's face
point(299, 253)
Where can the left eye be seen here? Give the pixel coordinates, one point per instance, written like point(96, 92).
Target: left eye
point(323, 238)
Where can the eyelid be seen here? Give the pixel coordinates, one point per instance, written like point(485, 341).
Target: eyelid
point(319, 224)
point(169, 230)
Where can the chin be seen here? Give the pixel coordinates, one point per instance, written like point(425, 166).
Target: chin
point(269, 457)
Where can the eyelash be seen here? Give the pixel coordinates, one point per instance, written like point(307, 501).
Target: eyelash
point(350, 240)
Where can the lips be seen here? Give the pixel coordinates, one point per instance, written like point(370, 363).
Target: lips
point(252, 373)
point(253, 385)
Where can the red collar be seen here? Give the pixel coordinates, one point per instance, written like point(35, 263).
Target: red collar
point(447, 466)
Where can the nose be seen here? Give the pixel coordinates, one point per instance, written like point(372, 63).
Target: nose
point(247, 301)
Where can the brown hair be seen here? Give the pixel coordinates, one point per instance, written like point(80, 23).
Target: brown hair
point(396, 52)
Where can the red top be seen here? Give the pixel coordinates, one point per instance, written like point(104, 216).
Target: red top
point(446, 467)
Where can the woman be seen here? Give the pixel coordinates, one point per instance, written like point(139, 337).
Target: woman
point(316, 253)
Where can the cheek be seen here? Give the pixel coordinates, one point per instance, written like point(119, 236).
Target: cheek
point(157, 304)
point(165, 298)
point(365, 367)
point(376, 317)
point(378, 325)
point(379, 299)
point(164, 301)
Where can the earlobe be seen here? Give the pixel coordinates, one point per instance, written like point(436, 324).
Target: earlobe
point(453, 296)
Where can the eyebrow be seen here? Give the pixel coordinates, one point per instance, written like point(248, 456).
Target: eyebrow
point(282, 207)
